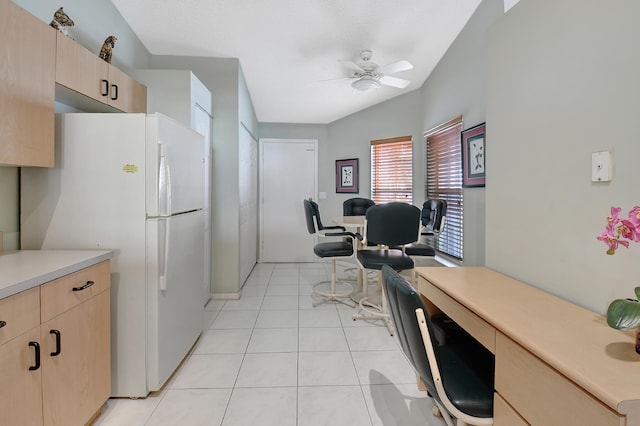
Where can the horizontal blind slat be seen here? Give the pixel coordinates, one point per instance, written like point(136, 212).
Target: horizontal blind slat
point(392, 170)
point(444, 181)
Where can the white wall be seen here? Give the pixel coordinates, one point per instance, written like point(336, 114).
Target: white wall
point(457, 87)
point(350, 137)
point(9, 213)
point(563, 81)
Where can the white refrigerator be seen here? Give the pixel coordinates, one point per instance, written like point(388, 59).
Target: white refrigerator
point(134, 183)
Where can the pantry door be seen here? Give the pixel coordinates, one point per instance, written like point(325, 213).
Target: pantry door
point(288, 174)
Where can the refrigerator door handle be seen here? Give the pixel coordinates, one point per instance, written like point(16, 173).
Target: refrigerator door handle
point(165, 253)
point(164, 191)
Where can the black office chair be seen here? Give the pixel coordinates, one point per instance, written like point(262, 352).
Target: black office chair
point(459, 375)
point(388, 225)
point(332, 251)
point(356, 206)
point(432, 218)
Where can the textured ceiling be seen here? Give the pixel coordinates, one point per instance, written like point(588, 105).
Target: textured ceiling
point(290, 51)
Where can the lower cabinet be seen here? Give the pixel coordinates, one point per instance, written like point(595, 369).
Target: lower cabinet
point(57, 372)
point(20, 393)
point(76, 362)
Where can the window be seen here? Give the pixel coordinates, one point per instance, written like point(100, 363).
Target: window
point(444, 181)
point(392, 170)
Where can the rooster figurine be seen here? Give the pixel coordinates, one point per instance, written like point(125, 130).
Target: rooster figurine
point(62, 22)
point(106, 52)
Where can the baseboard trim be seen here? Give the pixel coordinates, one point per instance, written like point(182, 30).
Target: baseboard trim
point(225, 296)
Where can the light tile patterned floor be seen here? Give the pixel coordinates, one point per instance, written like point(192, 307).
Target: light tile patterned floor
point(271, 358)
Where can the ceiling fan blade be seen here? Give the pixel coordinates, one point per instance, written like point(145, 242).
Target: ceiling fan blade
point(400, 83)
point(395, 67)
point(334, 79)
point(352, 66)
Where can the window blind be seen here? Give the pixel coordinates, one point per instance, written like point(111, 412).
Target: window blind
point(392, 170)
point(444, 181)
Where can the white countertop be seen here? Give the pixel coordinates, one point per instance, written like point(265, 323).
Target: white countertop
point(25, 269)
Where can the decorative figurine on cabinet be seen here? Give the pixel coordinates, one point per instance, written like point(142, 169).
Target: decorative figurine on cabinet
point(62, 22)
point(106, 52)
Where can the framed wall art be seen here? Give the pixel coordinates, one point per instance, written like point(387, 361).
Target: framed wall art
point(347, 176)
point(473, 156)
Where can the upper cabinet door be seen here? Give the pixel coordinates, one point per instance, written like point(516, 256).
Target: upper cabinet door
point(27, 88)
point(80, 70)
point(125, 93)
point(84, 72)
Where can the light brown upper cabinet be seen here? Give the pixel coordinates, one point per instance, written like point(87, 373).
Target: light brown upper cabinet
point(84, 72)
point(27, 88)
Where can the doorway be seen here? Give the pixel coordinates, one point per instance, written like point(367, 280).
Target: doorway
point(288, 174)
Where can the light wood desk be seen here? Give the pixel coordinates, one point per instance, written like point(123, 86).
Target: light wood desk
point(556, 363)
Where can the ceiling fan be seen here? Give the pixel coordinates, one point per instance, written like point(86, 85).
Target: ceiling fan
point(369, 76)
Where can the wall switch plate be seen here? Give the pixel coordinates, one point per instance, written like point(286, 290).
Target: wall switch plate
point(601, 166)
point(322, 195)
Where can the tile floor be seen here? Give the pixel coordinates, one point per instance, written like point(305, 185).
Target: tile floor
point(271, 358)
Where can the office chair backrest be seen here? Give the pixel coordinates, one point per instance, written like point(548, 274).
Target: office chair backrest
point(356, 206)
point(393, 224)
point(460, 375)
point(403, 302)
point(310, 212)
point(433, 213)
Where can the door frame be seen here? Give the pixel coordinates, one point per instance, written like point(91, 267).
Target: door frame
point(261, 143)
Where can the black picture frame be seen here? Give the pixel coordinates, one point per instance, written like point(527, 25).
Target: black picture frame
point(474, 156)
point(347, 179)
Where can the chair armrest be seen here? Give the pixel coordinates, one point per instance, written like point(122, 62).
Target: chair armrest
point(342, 228)
point(339, 234)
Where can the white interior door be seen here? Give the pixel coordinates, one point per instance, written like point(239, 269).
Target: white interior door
point(248, 198)
point(288, 175)
point(202, 122)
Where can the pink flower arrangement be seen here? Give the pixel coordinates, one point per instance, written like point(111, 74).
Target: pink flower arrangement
point(619, 232)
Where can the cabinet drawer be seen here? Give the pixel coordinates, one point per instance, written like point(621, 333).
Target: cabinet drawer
point(504, 415)
point(541, 394)
point(476, 326)
point(20, 312)
point(59, 295)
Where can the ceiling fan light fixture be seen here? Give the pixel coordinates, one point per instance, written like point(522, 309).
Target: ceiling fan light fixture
point(365, 84)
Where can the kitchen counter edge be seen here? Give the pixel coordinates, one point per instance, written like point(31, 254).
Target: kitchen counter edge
point(24, 269)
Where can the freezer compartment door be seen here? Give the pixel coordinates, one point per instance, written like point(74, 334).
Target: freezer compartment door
point(174, 311)
point(175, 167)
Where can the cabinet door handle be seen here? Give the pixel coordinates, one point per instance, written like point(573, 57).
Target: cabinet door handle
point(114, 92)
point(36, 348)
point(57, 334)
point(84, 287)
point(2, 323)
point(105, 87)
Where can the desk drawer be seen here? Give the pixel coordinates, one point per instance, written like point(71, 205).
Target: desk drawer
point(58, 295)
point(504, 415)
point(481, 330)
point(542, 395)
point(19, 313)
